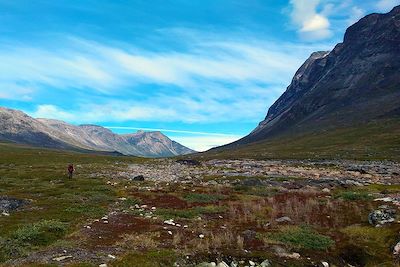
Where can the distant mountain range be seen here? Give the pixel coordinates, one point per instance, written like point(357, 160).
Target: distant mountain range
point(356, 83)
point(18, 127)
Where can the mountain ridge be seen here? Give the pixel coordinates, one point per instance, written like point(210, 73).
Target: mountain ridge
point(352, 85)
point(18, 127)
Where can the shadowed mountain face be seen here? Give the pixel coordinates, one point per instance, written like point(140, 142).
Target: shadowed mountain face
point(356, 83)
point(16, 126)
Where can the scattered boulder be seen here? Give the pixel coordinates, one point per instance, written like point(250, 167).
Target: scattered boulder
point(265, 263)
point(207, 264)
point(8, 204)
point(283, 220)
point(190, 162)
point(249, 235)
point(396, 249)
point(138, 178)
point(222, 264)
point(62, 258)
point(382, 215)
point(251, 182)
point(326, 190)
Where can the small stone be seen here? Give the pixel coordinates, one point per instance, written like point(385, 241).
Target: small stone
point(325, 264)
point(265, 263)
point(62, 258)
point(283, 219)
point(201, 235)
point(222, 264)
point(252, 263)
point(5, 213)
point(111, 256)
point(169, 232)
point(169, 222)
point(326, 190)
point(138, 178)
point(103, 265)
point(396, 249)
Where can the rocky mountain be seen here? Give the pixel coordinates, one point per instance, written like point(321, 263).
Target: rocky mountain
point(18, 127)
point(355, 83)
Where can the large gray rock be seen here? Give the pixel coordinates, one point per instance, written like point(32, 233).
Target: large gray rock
point(8, 204)
point(382, 216)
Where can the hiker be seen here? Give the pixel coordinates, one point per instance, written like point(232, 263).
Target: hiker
point(71, 170)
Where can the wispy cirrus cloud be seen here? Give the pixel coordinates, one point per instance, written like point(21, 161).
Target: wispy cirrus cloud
point(386, 5)
point(210, 80)
point(88, 64)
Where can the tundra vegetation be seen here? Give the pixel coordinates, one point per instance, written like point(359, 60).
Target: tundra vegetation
point(305, 214)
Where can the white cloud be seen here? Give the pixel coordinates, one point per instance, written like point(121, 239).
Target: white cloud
point(199, 141)
point(356, 14)
point(87, 65)
point(210, 80)
point(386, 5)
point(203, 143)
point(311, 24)
point(52, 112)
point(166, 130)
point(11, 91)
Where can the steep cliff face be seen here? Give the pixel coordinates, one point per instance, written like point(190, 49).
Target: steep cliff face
point(16, 126)
point(358, 81)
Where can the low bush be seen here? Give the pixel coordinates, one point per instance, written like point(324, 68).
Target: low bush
point(303, 238)
point(40, 234)
point(353, 196)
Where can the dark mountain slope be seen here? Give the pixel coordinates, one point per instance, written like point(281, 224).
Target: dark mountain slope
point(356, 83)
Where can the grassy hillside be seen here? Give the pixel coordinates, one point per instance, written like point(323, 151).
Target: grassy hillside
point(373, 141)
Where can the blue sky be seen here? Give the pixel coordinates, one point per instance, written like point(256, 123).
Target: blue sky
point(203, 71)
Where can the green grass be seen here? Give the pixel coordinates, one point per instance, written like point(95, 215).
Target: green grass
point(160, 258)
point(373, 243)
point(353, 196)
point(40, 234)
point(39, 175)
point(30, 236)
point(302, 237)
point(129, 202)
point(203, 198)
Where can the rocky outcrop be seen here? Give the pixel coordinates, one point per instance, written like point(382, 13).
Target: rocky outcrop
point(16, 126)
point(358, 81)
